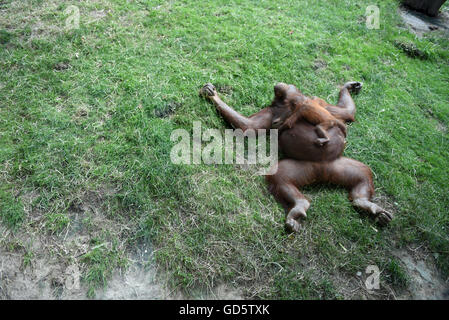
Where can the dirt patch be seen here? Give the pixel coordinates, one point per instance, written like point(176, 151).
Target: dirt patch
point(354, 288)
point(167, 109)
point(29, 271)
point(139, 281)
point(419, 23)
point(348, 286)
point(425, 282)
point(61, 66)
point(319, 64)
point(96, 15)
point(37, 265)
point(39, 269)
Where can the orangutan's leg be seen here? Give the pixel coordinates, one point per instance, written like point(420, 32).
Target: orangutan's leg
point(298, 209)
point(321, 132)
point(259, 120)
point(357, 178)
point(349, 173)
point(291, 175)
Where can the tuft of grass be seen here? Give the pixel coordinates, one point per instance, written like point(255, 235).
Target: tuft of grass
point(397, 275)
point(5, 36)
point(11, 210)
point(100, 262)
point(27, 259)
point(412, 50)
point(56, 222)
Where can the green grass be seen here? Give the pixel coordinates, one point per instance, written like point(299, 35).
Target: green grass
point(102, 261)
point(11, 210)
point(86, 117)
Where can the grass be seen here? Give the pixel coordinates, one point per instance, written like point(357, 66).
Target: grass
point(86, 117)
point(101, 261)
point(11, 213)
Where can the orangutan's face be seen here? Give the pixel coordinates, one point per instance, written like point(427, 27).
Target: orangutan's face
point(280, 113)
point(284, 103)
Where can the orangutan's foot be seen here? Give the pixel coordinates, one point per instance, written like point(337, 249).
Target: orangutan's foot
point(383, 217)
point(380, 215)
point(353, 86)
point(292, 226)
point(208, 90)
point(296, 215)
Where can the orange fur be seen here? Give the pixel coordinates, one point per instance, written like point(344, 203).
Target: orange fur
point(313, 112)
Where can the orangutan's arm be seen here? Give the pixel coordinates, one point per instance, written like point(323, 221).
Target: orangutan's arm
point(259, 120)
